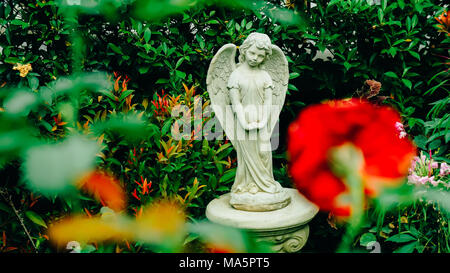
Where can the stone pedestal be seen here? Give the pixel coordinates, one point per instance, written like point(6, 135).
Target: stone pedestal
point(285, 228)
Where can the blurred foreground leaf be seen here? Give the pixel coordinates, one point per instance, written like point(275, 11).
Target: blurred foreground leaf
point(223, 239)
point(72, 85)
point(20, 102)
point(54, 168)
point(129, 126)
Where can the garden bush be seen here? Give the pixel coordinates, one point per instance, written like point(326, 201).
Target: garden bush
point(93, 86)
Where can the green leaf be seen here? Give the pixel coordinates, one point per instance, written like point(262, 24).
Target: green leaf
point(5, 208)
point(384, 4)
point(35, 218)
point(162, 81)
point(408, 248)
point(431, 90)
point(167, 125)
point(228, 176)
point(179, 62)
point(147, 47)
point(125, 94)
point(180, 74)
point(292, 87)
point(223, 188)
point(408, 23)
point(421, 142)
point(415, 55)
point(407, 83)
point(143, 69)
point(115, 48)
point(366, 238)
point(12, 60)
point(19, 23)
point(213, 22)
point(46, 125)
point(191, 237)
point(392, 51)
point(347, 66)
point(434, 144)
point(33, 82)
point(147, 35)
point(88, 249)
point(401, 238)
point(391, 74)
point(380, 15)
point(293, 75)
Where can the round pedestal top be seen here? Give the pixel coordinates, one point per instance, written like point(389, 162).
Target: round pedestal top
point(299, 212)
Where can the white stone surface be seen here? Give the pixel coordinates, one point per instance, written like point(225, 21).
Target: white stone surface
point(298, 213)
point(260, 201)
point(247, 99)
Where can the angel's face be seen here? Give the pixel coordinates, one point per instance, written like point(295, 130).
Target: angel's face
point(254, 56)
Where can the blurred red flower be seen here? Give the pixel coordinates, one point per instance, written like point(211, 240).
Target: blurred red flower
point(105, 188)
point(368, 127)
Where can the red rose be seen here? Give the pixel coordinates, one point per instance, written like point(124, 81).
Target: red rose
point(368, 127)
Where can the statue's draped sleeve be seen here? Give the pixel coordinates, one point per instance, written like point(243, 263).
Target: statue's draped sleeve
point(233, 82)
point(268, 82)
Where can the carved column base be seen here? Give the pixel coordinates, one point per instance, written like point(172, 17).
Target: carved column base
point(289, 240)
point(286, 229)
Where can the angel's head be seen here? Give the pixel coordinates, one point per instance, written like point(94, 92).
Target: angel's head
point(255, 49)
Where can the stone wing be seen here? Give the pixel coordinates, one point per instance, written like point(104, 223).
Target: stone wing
point(277, 67)
point(219, 71)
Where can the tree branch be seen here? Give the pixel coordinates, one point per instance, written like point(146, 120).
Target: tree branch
point(4, 193)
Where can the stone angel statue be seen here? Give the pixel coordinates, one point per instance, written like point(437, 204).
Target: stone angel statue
point(247, 99)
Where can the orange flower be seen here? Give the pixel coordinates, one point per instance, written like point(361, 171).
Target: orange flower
point(117, 81)
point(125, 83)
point(58, 122)
point(134, 193)
point(216, 248)
point(145, 186)
point(116, 84)
point(105, 188)
point(161, 104)
point(444, 22)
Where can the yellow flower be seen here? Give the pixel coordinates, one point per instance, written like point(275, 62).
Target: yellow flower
point(23, 69)
point(290, 4)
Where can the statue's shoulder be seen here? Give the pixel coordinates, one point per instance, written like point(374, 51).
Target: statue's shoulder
point(235, 75)
point(266, 75)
